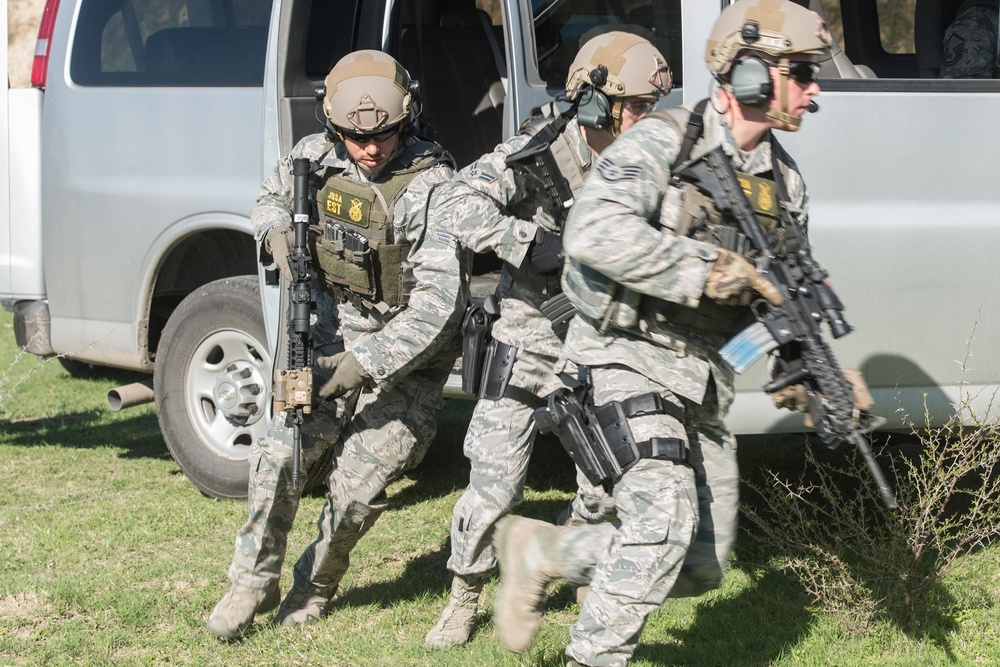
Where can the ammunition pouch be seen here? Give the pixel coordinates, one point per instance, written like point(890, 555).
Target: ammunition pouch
point(346, 262)
point(477, 328)
point(598, 438)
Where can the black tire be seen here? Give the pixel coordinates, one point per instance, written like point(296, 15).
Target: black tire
point(212, 357)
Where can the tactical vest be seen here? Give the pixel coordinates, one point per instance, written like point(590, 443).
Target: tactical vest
point(611, 305)
point(353, 244)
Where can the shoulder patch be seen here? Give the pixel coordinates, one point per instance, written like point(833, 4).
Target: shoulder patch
point(444, 238)
point(474, 172)
point(612, 172)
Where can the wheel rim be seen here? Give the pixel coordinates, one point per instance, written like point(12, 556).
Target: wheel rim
point(227, 392)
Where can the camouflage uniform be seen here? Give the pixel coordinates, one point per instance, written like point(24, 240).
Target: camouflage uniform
point(493, 207)
point(678, 522)
point(970, 42)
point(408, 351)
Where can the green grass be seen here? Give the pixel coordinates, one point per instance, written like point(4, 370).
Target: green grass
point(109, 556)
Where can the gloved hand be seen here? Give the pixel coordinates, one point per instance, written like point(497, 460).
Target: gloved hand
point(278, 243)
point(547, 252)
point(795, 398)
point(733, 279)
point(348, 374)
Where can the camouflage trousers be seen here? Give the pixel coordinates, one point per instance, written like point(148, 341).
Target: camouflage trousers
point(498, 444)
point(261, 541)
point(677, 524)
point(388, 434)
point(271, 503)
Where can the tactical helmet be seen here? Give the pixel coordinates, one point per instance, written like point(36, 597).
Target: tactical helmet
point(619, 64)
point(367, 92)
point(779, 28)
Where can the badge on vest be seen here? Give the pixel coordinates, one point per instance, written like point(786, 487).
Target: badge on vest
point(760, 192)
point(346, 207)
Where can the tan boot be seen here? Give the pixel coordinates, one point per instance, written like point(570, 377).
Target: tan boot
point(458, 618)
point(529, 559)
point(233, 616)
point(304, 603)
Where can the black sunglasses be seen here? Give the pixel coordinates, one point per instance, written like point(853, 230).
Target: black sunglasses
point(803, 72)
point(385, 135)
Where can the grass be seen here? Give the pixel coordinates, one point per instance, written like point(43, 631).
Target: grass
point(109, 556)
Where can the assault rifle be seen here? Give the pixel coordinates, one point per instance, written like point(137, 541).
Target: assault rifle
point(293, 387)
point(795, 325)
point(537, 160)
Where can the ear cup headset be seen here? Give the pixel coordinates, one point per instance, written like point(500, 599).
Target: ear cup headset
point(594, 109)
point(751, 83)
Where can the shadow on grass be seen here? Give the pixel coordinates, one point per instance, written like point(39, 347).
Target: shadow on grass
point(763, 621)
point(139, 434)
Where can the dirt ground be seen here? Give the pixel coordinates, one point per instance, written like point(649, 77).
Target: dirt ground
point(22, 30)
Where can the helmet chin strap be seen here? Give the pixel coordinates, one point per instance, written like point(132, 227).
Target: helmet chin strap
point(789, 121)
point(616, 117)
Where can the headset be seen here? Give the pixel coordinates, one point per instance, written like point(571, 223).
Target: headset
point(750, 80)
point(594, 108)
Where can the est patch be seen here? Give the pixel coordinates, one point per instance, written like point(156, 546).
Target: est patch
point(345, 207)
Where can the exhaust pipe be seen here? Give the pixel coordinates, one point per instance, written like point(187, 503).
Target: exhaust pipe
point(130, 395)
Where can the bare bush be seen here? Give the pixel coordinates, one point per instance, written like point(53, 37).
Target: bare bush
point(862, 562)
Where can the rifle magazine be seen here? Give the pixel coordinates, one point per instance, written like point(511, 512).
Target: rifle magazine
point(747, 347)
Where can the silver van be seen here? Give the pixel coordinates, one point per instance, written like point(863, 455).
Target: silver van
point(134, 162)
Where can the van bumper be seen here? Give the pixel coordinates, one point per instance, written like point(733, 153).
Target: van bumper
point(31, 327)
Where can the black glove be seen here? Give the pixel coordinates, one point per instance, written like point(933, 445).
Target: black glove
point(547, 252)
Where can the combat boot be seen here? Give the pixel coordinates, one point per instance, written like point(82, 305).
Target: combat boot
point(528, 551)
point(305, 603)
point(233, 616)
point(459, 618)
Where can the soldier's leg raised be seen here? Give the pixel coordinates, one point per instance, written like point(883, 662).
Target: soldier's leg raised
point(388, 434)
point(657, 506)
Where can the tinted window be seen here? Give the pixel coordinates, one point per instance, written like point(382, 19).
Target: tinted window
point(561, 27)
point(170, 42)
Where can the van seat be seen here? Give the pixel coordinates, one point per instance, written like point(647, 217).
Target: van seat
point(461, 84)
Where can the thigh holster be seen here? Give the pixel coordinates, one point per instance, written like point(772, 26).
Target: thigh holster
point(477, 328)
point(598, 438)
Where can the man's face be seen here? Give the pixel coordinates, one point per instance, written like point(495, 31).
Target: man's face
point(634, 108)
point(371, 152)
point(802, 88)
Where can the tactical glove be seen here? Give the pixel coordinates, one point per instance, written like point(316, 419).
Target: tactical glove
point(733, 279)
point(795, 398)
point(278, 243)
point(348, 374)
point(547, 252)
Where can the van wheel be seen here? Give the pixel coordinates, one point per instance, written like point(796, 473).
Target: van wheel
point(212, 384)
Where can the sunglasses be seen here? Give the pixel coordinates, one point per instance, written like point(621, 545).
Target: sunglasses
point(385, 135)
point(803, 72)
point(640, 106)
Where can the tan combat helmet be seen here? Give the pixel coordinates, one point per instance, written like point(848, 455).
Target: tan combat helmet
point(780, 29)
point(617, 65)
point(367, 92)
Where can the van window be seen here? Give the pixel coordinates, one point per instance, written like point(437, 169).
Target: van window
point(170, 43)
point(903, 45)
point(561, 27)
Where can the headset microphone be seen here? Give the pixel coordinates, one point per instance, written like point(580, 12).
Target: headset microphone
point(813, 107)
